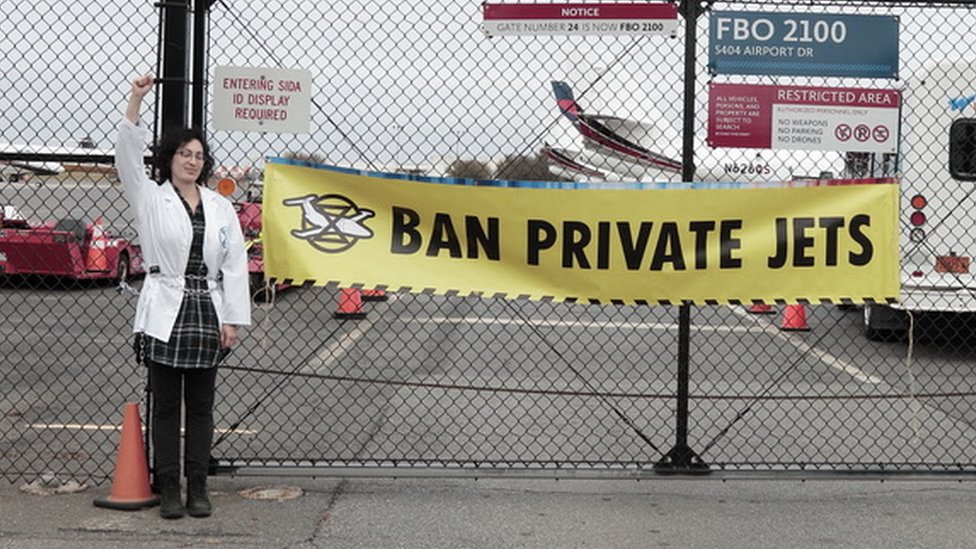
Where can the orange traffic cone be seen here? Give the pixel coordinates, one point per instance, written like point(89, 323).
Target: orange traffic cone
point(130, 485)
point(374, 295)
point(350, 305)
point(96, 260)
point(761, 309)
point(795, 318)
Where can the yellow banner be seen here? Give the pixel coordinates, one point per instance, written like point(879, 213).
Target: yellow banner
point(654, 243)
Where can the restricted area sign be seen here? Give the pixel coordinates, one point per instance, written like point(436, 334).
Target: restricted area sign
point(579, 19)
point(794, 117)
point(262, 99)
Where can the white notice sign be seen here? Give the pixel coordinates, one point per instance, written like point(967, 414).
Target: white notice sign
point(631, 19)
point(260, 99)
point(835, 128)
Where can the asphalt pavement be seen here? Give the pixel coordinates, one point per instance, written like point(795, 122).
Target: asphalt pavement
point(712, 512)
point(285, 512)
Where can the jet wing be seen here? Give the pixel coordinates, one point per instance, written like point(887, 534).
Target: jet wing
point(567, 163)
point(644, 134)
point(39, 168)
point(47, 160)
point(627, 140)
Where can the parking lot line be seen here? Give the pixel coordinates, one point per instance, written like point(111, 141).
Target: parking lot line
point(98, 427)
point(334, 351)
point(598, 325)
point(824, 357)
point(339, 347)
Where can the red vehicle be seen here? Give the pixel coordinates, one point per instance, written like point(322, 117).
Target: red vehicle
point(249, 214)
point(69, 248)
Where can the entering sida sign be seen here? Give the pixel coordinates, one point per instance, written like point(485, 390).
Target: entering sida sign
point(262, 99)
point(811, 44)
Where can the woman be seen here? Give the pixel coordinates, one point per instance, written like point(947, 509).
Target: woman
point(193, 300)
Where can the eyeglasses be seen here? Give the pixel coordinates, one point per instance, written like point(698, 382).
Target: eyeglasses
point(188, 154)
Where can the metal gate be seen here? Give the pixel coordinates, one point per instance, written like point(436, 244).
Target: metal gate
point(443, 384)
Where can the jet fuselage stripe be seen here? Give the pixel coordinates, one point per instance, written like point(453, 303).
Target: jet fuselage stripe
point(592, 130)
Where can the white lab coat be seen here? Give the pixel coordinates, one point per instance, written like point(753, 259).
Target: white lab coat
point(165, 236)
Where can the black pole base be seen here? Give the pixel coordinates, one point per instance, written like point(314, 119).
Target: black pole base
point(214, 468)
point(681, 460)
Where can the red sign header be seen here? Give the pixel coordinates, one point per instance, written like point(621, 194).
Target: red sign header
point(580, 11)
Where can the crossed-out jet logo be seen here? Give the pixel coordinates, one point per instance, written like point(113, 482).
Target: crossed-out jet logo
point(331, 223)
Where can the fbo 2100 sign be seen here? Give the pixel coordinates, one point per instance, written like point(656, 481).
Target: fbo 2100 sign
point(803, 44)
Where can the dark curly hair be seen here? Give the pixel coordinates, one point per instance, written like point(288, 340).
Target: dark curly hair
point(171, 142)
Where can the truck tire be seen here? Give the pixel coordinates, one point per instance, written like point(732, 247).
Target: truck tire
point(256, 283)
point(882, 323)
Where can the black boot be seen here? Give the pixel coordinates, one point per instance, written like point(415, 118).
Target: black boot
point(197, 502)
point(169, 498)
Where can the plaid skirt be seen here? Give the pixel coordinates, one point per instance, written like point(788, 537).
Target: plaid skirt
point(195, 340)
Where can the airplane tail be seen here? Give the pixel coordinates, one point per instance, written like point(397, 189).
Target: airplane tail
point(564, 98)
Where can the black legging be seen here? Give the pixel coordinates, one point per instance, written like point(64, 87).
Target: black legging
point(195, 387)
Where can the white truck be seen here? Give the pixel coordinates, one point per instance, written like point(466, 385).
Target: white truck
point(936, 167)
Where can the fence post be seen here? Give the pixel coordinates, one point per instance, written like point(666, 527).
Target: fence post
point(199, 78)
point(173, 49)
point(681, 459)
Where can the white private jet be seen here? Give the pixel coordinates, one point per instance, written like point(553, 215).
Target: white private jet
point(621, 149)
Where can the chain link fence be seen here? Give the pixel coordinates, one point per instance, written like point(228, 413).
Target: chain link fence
point(429, 384)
